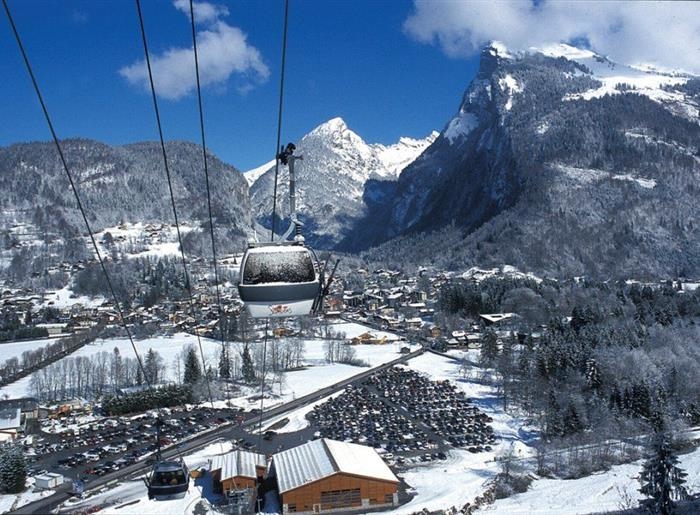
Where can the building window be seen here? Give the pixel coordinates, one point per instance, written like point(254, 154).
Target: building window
point(340, 498)
point(291, 508)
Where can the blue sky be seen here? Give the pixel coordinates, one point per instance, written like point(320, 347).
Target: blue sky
point(390, 68)
point(344, 58)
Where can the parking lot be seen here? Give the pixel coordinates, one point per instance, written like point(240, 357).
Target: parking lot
point(405, 416)
point(97, 448)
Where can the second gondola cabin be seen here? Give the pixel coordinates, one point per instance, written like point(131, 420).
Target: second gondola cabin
point(168, 480)
point(279, 280)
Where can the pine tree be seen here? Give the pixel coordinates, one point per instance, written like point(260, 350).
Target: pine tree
point(152, 366)
point(247, 368)
point(224, 362)
point(489, 349)
point(192, 371)
point(661, 479)
point(13, 469)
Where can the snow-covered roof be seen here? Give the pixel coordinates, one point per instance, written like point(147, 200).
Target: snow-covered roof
point(9, 418)
point(318, 459)
point(238, 463)
point(497, 317)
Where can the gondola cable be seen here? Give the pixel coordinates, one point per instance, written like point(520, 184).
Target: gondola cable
point(223, 321)
point(188, 282)
point(66, 168)
point(279, 116)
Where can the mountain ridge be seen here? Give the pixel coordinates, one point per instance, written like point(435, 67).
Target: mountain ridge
point(544, 166)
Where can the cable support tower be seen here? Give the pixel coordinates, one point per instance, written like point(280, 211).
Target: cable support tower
point(279, 116)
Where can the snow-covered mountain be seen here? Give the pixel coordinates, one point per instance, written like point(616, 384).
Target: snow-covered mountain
point(558, 160)
point(119, 186)
point(331, 178)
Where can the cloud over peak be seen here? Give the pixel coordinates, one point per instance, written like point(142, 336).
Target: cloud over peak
point(223, 50)
point(662, 33)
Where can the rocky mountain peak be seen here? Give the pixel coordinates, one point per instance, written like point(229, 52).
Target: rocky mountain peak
point(331, 178)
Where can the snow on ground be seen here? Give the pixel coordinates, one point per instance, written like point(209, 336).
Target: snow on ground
point(13, 501)
point(317, 374)
point(644, 183)
point(15, 349)
point(353, 330)
point(463, 475)
point(586, 175)
point(169, 347)
point(608, 491)
point(65, 298)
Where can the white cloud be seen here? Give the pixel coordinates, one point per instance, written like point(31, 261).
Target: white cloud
point(222, 50)
point(203, 11)
point(662, 33)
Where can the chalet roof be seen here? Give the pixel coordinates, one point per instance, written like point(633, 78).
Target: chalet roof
point(497, 317)
point(318, 459)
point(23, 403)
point(238, 463)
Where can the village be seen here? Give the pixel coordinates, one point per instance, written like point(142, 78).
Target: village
point(392, 317)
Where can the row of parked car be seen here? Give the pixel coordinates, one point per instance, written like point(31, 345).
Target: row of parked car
point(101, 446)
point(401, 411)
point(438, 404)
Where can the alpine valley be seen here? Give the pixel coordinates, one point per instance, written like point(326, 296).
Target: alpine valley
point(558, 161)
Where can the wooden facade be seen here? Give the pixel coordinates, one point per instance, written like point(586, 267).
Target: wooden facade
point(338, 492)
point(237, 482)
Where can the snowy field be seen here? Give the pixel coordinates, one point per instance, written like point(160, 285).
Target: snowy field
point(65, 298)
point(438, 485)
point(352, 330)
point(170, 348)
point(603, 492)
point(15, 349)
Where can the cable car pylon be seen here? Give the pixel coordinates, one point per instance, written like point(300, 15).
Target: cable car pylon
point(282, 278)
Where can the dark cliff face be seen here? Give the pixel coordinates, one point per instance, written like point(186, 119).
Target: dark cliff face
point(545, 169)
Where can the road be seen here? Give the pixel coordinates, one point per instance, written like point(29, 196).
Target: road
point(227, 431)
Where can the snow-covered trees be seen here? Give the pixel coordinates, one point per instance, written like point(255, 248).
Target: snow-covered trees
point(13, 470)
point(247, 368)
point(661, 479)
point(193, 372)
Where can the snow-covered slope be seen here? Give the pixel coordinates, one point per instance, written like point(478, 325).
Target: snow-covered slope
point(252, 175)
point(331, 178)
point(616, 78)
point(558, 160)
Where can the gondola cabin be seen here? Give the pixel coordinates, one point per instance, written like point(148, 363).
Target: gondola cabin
point(168, 480)
point(279, 280)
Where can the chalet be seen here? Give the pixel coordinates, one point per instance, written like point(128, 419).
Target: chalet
point(10, 424)
point(393, 299)
point(330, 476)
point(413, 323)
point(352, 299)
point(368, 339)
point(28, 406)
point(237, 471)
point(501, 320)
point(54, 329)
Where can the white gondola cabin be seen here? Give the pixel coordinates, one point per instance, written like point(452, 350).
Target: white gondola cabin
point(279, 280)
